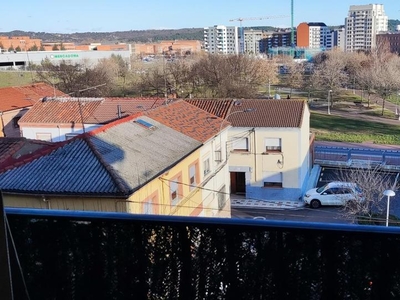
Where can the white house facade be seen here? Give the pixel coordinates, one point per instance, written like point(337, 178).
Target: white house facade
point(270, 163)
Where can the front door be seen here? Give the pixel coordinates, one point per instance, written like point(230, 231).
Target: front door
point(238, 183)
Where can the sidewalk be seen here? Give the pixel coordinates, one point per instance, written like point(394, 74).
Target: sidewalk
point(358, 112)
point(237, 202)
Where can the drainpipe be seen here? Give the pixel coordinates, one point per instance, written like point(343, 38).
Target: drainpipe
point(119, 111)
point(255, 155)
point(2, 124)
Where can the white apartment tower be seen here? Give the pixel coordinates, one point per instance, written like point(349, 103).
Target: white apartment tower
point(362, 24)
point(221, 39)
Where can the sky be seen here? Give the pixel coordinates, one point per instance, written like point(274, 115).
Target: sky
point(71, 16)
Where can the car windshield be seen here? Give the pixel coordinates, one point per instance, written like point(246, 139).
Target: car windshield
point(322, 188)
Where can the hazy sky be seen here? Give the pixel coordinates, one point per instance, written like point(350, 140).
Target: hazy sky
point(70, 16)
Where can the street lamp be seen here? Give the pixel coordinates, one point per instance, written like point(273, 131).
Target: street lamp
point(329, 102)
point(388, 193)
point(164, 67)
point(222, 123)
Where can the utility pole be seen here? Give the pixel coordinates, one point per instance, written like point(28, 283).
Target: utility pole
point(6, 288)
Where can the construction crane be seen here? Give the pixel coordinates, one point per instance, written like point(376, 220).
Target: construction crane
point(250, 19)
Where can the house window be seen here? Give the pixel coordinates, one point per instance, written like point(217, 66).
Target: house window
point(272, 179)
point(273, 145)
point(218, 152)
point(206, 166)
point(175, 190)
point(69, 136)
point(149, 207)
point(221, 198)
point(193, 177)
point(241, 144)
point(44, 136)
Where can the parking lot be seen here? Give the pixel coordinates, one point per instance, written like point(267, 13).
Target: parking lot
point(329, 174)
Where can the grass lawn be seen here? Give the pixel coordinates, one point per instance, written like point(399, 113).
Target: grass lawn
point(334, 128)
point(15, 78)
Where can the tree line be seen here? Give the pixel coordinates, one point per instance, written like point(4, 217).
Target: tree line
point(236, 76)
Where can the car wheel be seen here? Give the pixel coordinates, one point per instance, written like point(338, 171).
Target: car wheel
point(315, 204)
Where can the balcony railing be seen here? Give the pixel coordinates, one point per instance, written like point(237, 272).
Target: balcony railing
point(82, 255)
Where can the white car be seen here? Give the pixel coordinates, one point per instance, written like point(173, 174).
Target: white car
point(333, 193)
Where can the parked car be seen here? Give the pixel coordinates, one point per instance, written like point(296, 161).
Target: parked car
point(333, 193)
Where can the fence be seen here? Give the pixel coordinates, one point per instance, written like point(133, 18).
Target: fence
point(360, 157)
point(81, 255)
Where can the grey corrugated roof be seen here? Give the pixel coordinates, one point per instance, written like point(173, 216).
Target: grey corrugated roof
point(137, 153)
point(113, 161)
point(71, 169)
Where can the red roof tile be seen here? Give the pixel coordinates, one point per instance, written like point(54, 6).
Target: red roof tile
point(217, 107)
point(12, 98)
point(267, 113)
point(188, 119)
point(107, 111)
point(61, 110)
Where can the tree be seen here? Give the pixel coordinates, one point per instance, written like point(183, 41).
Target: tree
point(55, 47)
point(294, 78)
point(372, 180)
point(233, 75)
point(33, 48)
point(329, 72)
point(72, 78)
point(386, 73)
point(365, 78)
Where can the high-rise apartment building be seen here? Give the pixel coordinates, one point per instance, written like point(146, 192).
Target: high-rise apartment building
point(281, 38)
point(362, 24)
point(314, 35)
point(252, 41)
point(221, 39)
point(339, 38)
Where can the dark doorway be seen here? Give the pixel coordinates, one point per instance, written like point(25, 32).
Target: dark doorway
point(238, 183)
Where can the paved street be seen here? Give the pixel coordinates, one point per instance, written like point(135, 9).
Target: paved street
point(305, 214)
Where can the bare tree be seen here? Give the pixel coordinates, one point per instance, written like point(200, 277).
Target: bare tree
point(71, 78)
point(386, 74)
point(372, 181)
point(330, 72)
point(365, 78)
point(295, 75)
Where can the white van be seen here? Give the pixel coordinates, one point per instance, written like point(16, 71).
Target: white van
point(333, 193)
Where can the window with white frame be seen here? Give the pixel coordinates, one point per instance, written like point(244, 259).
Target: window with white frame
point(44, 137)
point(273, 145)
point(149, 206)
point(193, 180)
point(241, 144)
point(174, 190)
point(272, 179)
point(206, 166)
point(69, 136)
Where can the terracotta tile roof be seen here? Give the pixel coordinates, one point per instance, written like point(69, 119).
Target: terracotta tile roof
point(107, 111)
point(12, 98)
point(61, 110)
point(188, 119)
point(217, 107)
point(268, 113)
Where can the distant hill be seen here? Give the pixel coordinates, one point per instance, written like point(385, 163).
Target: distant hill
point(133, 36)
